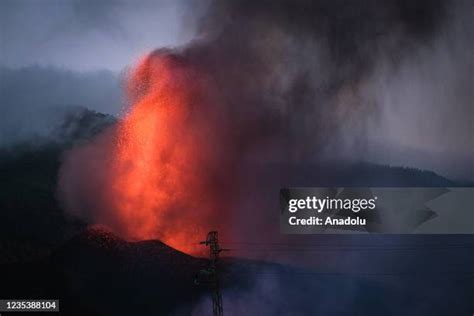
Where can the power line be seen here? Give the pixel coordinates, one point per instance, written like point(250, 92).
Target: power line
point(338, 245)
point(322, 249)
point(417, 274)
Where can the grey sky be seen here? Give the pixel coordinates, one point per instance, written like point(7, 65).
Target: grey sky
point(54, 53)
point(88, 35)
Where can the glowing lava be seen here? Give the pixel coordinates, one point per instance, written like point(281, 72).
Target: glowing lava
point(159, 190)
point(153, 175)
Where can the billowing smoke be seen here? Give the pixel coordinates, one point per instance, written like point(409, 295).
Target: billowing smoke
point(264, 83)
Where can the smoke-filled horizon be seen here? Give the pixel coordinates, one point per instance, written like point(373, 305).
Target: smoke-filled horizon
point(271, 83)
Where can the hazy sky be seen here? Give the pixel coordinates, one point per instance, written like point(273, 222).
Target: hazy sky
point(60, 53)
point(86, 35)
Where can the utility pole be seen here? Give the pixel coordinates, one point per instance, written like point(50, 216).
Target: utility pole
point(211, 275)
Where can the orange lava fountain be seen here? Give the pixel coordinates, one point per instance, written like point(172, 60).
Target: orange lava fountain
point(159, 159)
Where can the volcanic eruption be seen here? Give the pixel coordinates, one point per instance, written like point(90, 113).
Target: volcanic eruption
point(262, 85)
point(153, 177)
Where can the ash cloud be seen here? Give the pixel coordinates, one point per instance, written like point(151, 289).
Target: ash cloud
point(309, 68)
point(425, 109)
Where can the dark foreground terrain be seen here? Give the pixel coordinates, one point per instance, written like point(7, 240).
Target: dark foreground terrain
point(46, 254)
point(97, 273)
